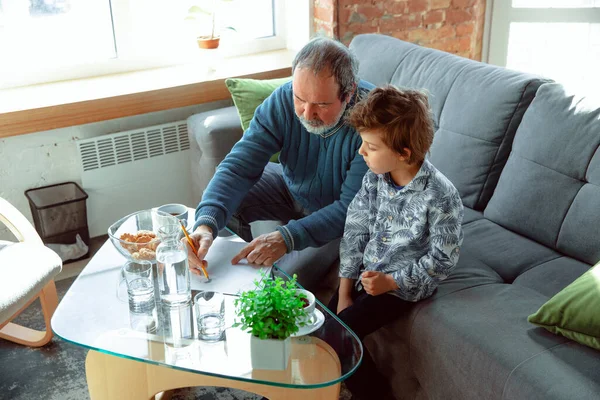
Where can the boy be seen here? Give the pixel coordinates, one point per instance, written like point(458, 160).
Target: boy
point(403, 229)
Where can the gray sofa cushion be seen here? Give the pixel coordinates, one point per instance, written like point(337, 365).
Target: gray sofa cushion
point(212, 134)
point(507, 253)
point(460, 354)
point(551, 277)
point(471, 215)
point(566, 371)
point(476, 107)
point(550, 188)
point(469, 272)
point(578, 236)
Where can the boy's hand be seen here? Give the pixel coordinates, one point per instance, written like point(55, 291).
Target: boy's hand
point(343, 303)
point(376, 283)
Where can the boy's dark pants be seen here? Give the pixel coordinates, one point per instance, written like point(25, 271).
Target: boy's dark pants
point(366, 315)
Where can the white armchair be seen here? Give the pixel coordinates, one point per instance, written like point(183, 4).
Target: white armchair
point(27, 271)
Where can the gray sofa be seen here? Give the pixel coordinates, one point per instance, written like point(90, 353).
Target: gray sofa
point(525, 157)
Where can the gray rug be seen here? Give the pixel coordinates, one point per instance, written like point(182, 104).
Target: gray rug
point(57, 370)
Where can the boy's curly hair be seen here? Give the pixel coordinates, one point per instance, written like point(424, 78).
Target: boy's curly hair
point(402, 116)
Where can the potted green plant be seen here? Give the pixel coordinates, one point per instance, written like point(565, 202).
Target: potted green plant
point(202, 16)
point(272, 312)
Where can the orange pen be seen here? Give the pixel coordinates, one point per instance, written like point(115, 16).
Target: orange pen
point(189, 239)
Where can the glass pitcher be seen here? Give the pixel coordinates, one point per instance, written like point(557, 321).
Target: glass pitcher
point(172, 262)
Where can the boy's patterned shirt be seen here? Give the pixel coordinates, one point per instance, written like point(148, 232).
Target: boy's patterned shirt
point(413, 233)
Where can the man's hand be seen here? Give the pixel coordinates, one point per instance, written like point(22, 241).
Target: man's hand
point(376, 283)
point(264, 250)
point(344, 301)
point(203, 239)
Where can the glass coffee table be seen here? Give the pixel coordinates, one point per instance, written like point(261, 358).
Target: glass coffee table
point(130, 360)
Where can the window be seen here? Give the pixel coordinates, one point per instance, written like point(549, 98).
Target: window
point(48, 40)
point(558, 39)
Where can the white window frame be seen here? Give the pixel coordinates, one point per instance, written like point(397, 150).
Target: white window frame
point(502, 14)
point(278, 41)
point(21, 75)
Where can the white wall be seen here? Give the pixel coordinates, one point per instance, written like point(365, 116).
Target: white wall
point(44, 158)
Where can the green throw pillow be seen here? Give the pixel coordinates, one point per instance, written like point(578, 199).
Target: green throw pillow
point(574, 311)
point(248, 94)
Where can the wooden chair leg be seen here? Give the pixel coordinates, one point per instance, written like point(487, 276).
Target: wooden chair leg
point(31, 337)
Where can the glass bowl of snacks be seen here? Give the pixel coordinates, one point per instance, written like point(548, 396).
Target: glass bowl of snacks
point(136, 236)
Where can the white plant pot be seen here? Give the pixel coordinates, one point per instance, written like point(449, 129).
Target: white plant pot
point(269, 353)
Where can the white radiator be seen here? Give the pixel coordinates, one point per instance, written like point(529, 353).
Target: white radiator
point(134, 170)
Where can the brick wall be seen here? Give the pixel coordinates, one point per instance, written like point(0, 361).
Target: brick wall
point(455, 26)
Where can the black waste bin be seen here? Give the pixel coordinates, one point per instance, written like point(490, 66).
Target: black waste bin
point(59, 213)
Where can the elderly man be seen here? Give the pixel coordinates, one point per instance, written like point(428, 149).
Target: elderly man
point(319, 173)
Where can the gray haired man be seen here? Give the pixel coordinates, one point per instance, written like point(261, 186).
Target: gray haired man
point(319, 173)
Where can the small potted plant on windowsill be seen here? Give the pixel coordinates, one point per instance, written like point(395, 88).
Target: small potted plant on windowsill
point(272, 312)
point(202, 16)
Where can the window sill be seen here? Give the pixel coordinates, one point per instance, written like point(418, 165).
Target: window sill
point(62, 104)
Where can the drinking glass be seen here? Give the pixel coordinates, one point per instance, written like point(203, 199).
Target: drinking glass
point(172, 261)
point(210, 315)
point(140, 287)
point(179, 211)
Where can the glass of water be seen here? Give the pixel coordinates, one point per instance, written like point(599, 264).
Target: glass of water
point(140, 292)
point(173, 272)
point(210, 315)
point(140, 287)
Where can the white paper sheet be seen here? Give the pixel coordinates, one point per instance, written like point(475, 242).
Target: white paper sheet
point(224, 277)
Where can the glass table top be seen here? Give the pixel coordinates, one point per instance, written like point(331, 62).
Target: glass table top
point(94, 313)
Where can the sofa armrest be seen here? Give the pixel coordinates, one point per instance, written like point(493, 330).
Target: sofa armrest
point(212, 134)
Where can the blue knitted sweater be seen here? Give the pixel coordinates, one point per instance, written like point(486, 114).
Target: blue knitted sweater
point(323, 172)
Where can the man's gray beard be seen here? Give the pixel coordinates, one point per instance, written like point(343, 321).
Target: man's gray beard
point(321, 129)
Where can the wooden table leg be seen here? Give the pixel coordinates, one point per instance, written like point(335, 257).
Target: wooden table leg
point(111, 377)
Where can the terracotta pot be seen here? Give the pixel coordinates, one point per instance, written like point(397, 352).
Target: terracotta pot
point(205, 42)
